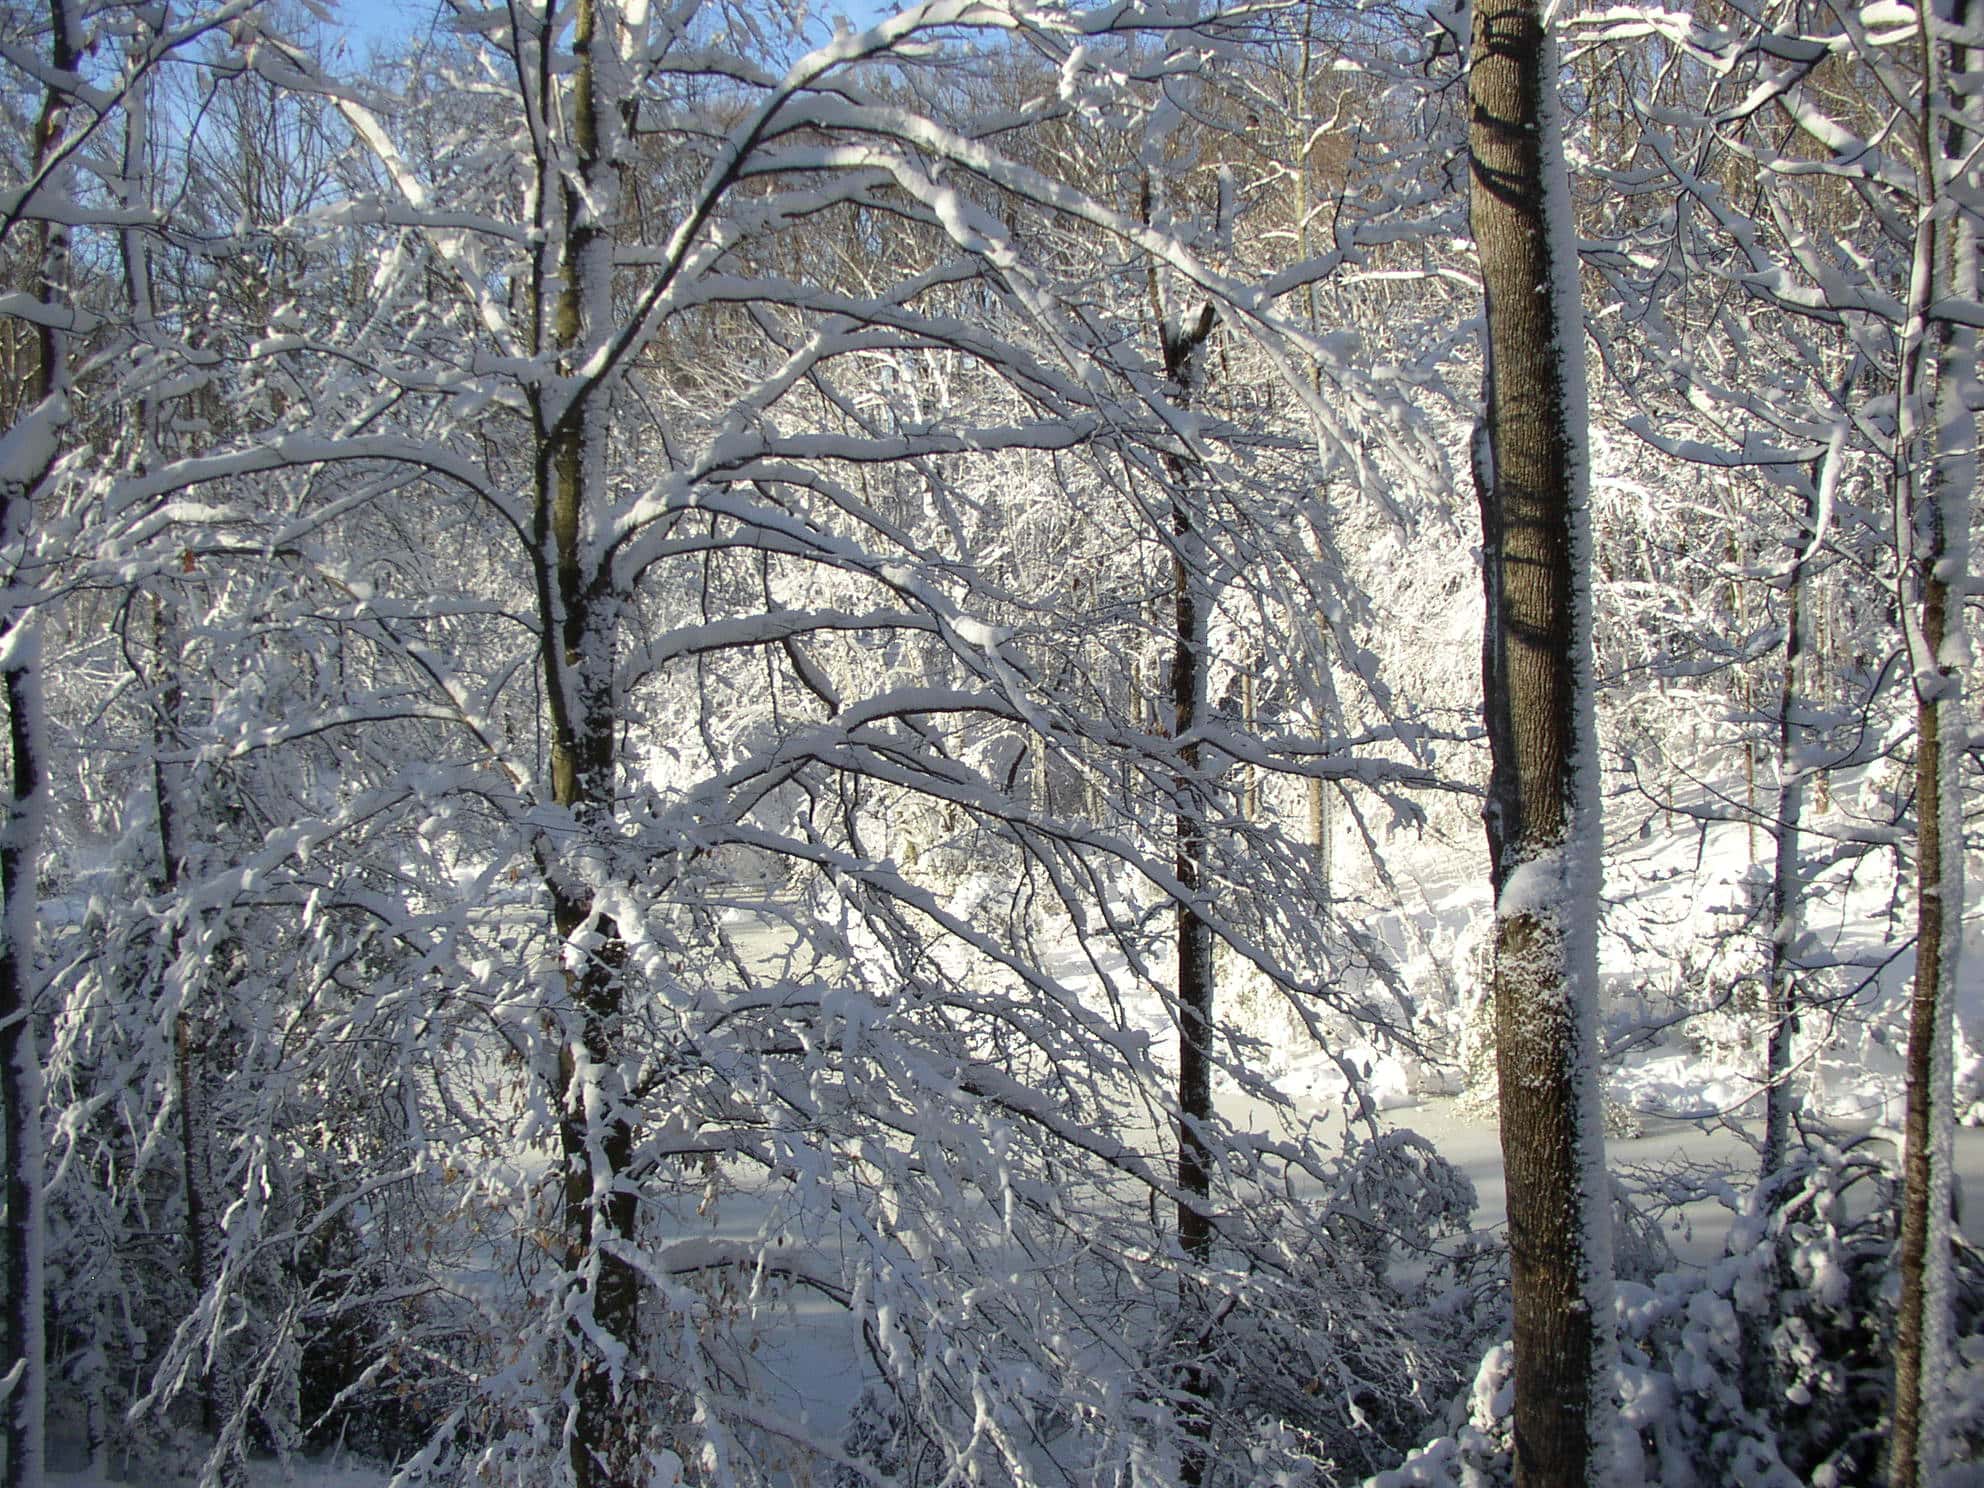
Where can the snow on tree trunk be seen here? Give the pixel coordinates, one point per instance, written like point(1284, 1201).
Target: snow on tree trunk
point(1191, 616)
point(1787, 882)
point(27, 455)
point(1542, 812)
point(1935, 466)
point(1188, 701)
point(20, 1066)
point(577, 613)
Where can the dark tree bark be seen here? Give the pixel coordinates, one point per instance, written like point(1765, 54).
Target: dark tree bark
point(1179, 344)
point(1191, 608)
point(20, 1087)
point(1190, 614)
point(1542, 806)
point(22, 1344)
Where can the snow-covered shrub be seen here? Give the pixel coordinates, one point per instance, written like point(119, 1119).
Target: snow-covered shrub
point(1345, 1350)
point(1771, 1368)
point(1325, 1333)
point(883, 1441)
point(1640, 1250)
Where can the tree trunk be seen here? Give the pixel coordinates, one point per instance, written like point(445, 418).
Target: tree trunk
point(1746, 699)
point(20, 1074)
point(1195, 937)
point(23, 1363)
point(1191, 614)
point(1188, 696)
point(1936, 470)
point(1748, 692)
point(1542, 807)
point(1195, 954)
point(1250, 775)
point(217, 1391)
point(578, 622)
point(1787, 904)
point(1321, 830)
point(1787, 887)
point(1321, 835)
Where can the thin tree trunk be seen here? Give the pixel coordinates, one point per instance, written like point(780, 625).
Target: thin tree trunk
point(1932, 520)
point(193, 1167)
point(1827, 665)
point(216, 1396)
point(1188, 690)
point(1195, 953)
point(1787, 895)
point(1321, 829)
point(1787, 902)
point(1321, 833)
point(1542, 807)
point(578, 622)
point(1190, 617)
point(1746, 699)
point(1922, 1319)
point(1250, 787)
point(1747, 690)
point(23, 1363)
point(20, 1073)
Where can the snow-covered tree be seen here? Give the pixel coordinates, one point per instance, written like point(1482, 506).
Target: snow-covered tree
point(635, 616)
point(1846, 130)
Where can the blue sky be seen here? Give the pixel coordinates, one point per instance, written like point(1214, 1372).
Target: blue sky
point(393, 20)
point(385, 20)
